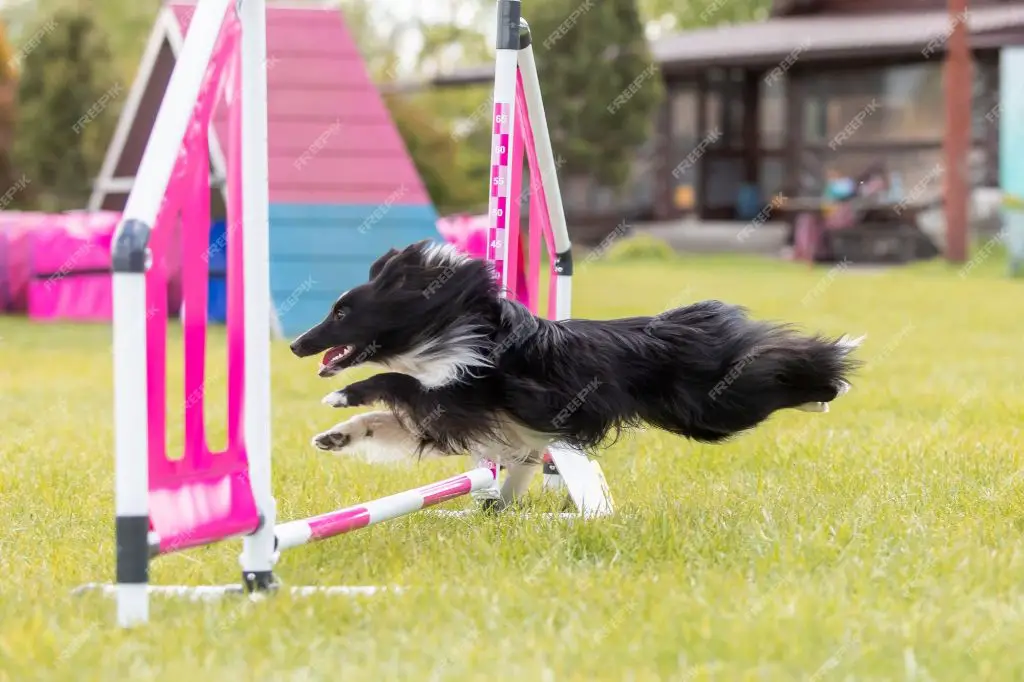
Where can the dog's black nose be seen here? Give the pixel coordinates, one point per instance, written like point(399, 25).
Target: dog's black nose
point(298, 348)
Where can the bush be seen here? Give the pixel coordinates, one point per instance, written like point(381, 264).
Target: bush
point(638, 247)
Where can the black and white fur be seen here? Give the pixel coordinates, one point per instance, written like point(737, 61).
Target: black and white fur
point(471, 372)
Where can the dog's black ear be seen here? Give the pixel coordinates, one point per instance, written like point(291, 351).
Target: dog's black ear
point(379, 264)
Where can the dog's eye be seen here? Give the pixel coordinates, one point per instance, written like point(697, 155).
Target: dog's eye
point(340, 313)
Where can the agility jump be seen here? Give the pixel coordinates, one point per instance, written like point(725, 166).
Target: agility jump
point(166, 505)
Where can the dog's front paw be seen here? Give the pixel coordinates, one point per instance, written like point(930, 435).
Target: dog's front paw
point(332, 441)
point(350, 396)
point(344, 436)
point(336, 399)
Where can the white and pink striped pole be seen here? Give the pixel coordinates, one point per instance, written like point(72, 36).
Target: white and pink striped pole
point(501, 182)
point(502, 137)
point(304, 531)
point(500, 197)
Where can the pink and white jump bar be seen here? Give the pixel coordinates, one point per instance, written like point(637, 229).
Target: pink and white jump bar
point(295, 533)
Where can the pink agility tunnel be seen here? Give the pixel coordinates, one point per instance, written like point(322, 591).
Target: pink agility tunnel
point(70, 267)
point(16, 229)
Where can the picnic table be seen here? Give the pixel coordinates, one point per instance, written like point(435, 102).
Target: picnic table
point(859, 229)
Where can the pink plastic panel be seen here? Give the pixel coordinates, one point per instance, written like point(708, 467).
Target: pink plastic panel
point(512, 235)
point(203, 496)
point(536, 247)
point(236, 270)
point(538, 197)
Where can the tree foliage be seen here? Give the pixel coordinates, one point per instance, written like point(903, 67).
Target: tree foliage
point(126, 22)
point(68, 106)
point(596, 56)
point(453, 168)
point(8, 113)
point(601, 87)
point(665, 16)
point(436, 154)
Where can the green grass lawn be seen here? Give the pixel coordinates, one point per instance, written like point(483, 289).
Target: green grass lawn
point(880, 541)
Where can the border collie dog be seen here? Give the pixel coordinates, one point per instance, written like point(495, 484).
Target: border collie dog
point(471, 372)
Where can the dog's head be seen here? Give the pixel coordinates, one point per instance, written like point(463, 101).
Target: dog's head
point(415, 299)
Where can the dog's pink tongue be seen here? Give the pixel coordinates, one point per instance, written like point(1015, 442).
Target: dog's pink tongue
point(331, 355)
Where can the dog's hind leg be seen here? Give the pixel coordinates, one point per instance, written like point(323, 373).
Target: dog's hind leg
point(377, 437)
point(517, 482)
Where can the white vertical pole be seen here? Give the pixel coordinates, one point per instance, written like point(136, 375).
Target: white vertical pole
point(499, 189)
point(548, 172)
point(258, 552)
point(131, 445)
point(572, 468)
point(503, 135)
point(131, 259)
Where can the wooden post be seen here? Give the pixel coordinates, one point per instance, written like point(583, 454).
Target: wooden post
point(663, 165)
point(752, 127)
point(958, 132)
point(700, 191)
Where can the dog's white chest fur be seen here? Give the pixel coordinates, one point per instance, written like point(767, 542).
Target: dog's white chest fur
point(432, 372)
point(442, 361)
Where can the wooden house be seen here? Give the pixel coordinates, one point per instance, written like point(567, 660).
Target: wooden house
point(820, 85)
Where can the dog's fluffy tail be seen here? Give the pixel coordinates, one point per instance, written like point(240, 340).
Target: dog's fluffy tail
point(735, 372)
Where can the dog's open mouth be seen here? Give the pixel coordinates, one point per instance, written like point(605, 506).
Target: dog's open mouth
point(334, 360)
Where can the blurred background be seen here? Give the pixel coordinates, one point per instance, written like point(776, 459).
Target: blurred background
point(824, 130)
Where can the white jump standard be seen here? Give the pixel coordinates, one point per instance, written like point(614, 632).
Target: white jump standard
point(166, 504)
point(517, 93)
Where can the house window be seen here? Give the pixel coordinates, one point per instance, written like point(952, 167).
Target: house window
point(713, 118)
point(814, 119)
point(893, 116)
point(917, 174)
point(898, 103)
point(772, 176)
point(985, 98)
point(772, 114)
point(723, 113)
point(725, 176)
point(684, 113)
point(640, 190)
